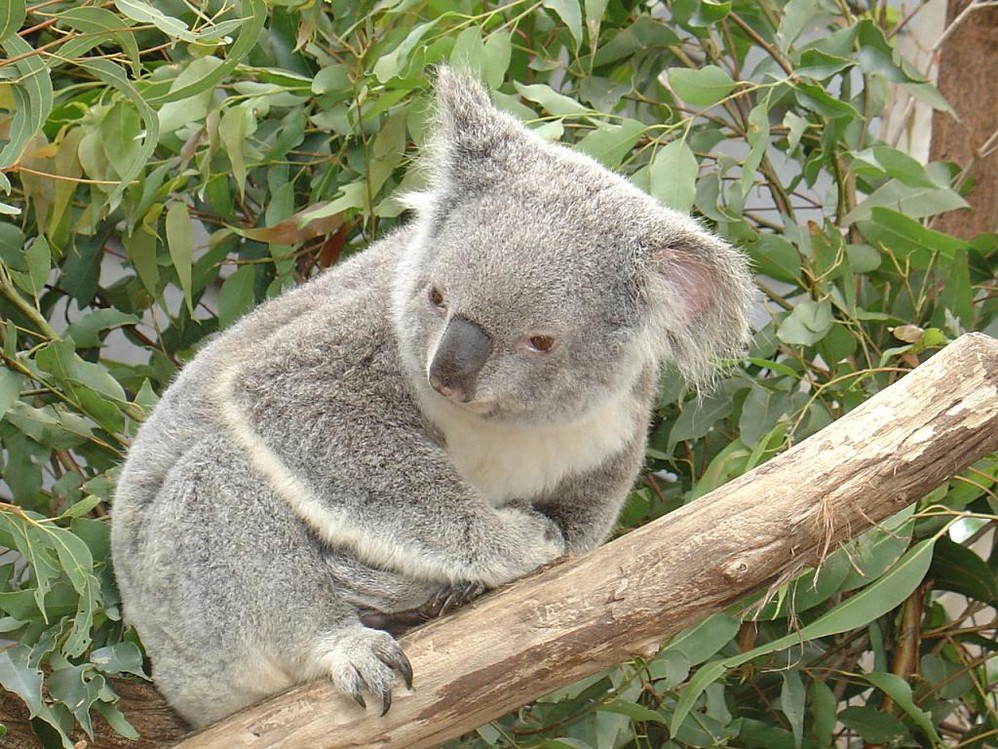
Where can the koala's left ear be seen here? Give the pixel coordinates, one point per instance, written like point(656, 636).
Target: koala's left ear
point(700, 292)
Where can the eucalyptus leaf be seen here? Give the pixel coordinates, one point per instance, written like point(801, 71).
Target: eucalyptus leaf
point(96, 22)
point(180, 240)
point(10, 388)
point(610, 143)
point(391, 64)
point(594, 18)
point(900, 691)
point(875, 726)
point(906, 238)
point(252, 24)
point(468, 52)
point(11, 18)
point(776, 258)
point(710, 12)
point(870, 603)
point(71, 687)
point(86, 331)
point(236, 295)
point(913, 202)
point(824, 714)
point(808, 323)
point(792, 698)
point(959, 569)
point(19, 677)
point(700, 642)
point(32, 94)
point(818, 100)
point(143, 12)
point(672, 175)
point(633, 711)
point(796, 15)
point(120, 658)
point(702, 87)
point(498, 54)
point(115, 76)
point(178, 113)
point(571, 15)
point(552, 101)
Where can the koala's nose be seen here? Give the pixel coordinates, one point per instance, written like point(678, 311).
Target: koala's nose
point(463, 349)
point(446, 390)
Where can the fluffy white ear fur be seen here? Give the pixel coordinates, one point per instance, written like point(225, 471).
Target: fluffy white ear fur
point(699, 289)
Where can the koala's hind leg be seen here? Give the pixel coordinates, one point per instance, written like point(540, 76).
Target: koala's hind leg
point(237, 601)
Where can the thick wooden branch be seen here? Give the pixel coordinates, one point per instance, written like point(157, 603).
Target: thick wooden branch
point(625, 598)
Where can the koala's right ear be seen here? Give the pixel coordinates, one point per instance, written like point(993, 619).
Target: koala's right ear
point(474, 142)
point(468, 119)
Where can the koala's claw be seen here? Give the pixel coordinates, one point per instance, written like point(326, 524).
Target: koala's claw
point(452, 597)
point(362, 660)
point(357, 696)
point(400, 664)
point(446, 599)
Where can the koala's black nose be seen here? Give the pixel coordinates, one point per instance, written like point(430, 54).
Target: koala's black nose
point(462, 351)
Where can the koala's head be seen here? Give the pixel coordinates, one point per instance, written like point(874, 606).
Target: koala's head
point(538, 284)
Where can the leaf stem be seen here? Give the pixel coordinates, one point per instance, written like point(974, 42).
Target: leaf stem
point(772, 51)
point(36, 317)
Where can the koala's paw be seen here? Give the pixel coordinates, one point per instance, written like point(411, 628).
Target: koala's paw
point(542, 533)
point(361, 660)
point(538, 537)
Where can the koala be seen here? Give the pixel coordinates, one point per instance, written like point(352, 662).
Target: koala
point(464, 401)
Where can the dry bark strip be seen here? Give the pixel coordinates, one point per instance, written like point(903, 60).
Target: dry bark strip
point(625, 598)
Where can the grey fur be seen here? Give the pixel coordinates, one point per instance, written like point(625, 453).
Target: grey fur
point(302, 469)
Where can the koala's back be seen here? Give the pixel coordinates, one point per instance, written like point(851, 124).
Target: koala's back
point(189, 414)
point(188, 409)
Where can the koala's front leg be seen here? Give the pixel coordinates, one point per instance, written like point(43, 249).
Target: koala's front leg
point(382, 489)
point(585, 506)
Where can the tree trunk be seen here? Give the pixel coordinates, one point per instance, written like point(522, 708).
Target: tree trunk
point(624, 599)
point(968, 71)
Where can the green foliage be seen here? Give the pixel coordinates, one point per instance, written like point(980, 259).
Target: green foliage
point(166, 166)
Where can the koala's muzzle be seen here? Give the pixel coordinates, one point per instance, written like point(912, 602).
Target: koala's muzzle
point(462, 351)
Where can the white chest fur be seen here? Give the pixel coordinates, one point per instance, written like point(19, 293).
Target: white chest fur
point(507, 462)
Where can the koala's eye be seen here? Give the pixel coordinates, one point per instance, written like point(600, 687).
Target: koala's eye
point(540, 344)
point(436, 298)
